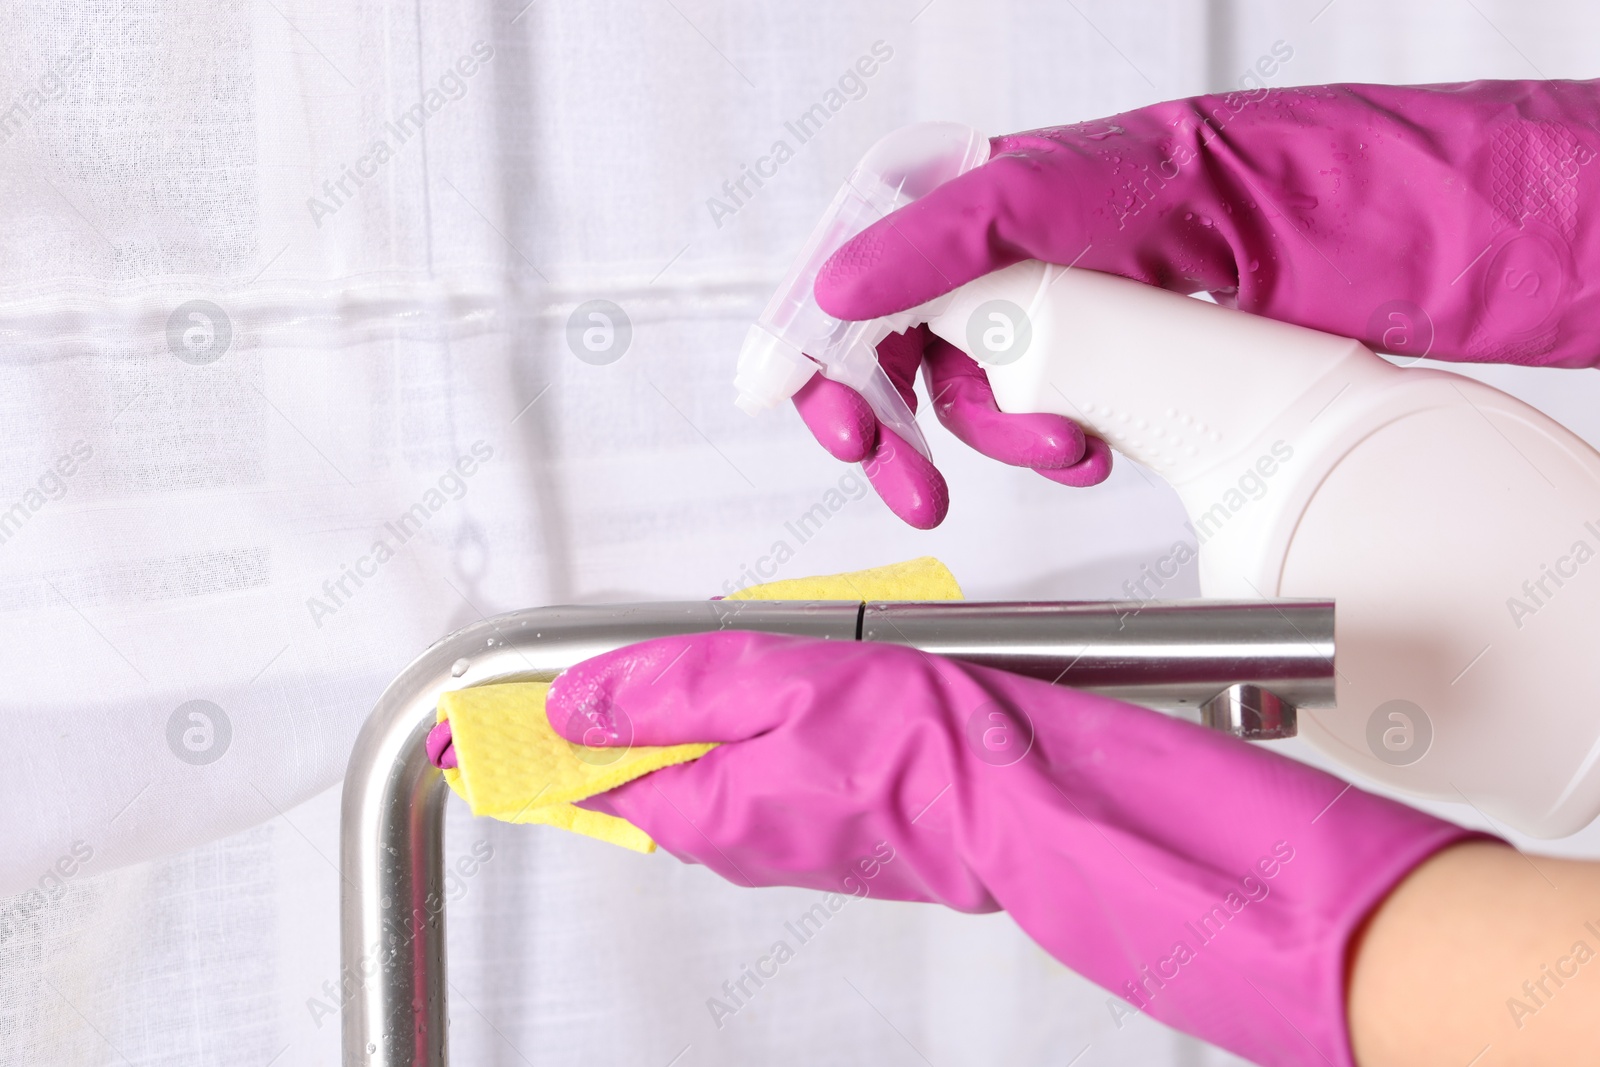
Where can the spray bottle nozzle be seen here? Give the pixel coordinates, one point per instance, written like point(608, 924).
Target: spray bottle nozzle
point(794, 338)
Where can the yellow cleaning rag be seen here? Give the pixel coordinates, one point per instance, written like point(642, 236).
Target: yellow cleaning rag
point(512, 766)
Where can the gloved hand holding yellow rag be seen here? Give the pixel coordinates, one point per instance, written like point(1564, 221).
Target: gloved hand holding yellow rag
point(500, 755)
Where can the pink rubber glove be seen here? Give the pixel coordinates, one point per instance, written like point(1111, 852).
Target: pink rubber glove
point(1214, 884)
point(1450, 221)
point(912, 487)
point(441, 746)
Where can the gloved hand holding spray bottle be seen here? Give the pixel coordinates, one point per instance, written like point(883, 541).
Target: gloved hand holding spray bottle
point(1378, 475)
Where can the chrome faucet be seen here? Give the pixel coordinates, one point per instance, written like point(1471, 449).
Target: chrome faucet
point(1241, 666)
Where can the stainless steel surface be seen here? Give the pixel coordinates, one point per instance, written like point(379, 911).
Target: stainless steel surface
point(1171, 655)
point(392, 896)
point(391, 840)
point(1250, 712)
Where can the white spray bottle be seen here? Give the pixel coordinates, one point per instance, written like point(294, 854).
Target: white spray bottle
point(1457, 528)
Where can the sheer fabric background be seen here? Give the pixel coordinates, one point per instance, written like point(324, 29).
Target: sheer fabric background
point(381, 318)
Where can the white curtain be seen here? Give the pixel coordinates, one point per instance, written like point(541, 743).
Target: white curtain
point(282, 282)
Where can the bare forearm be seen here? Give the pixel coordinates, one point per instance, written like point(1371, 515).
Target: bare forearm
point(1482, 956)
